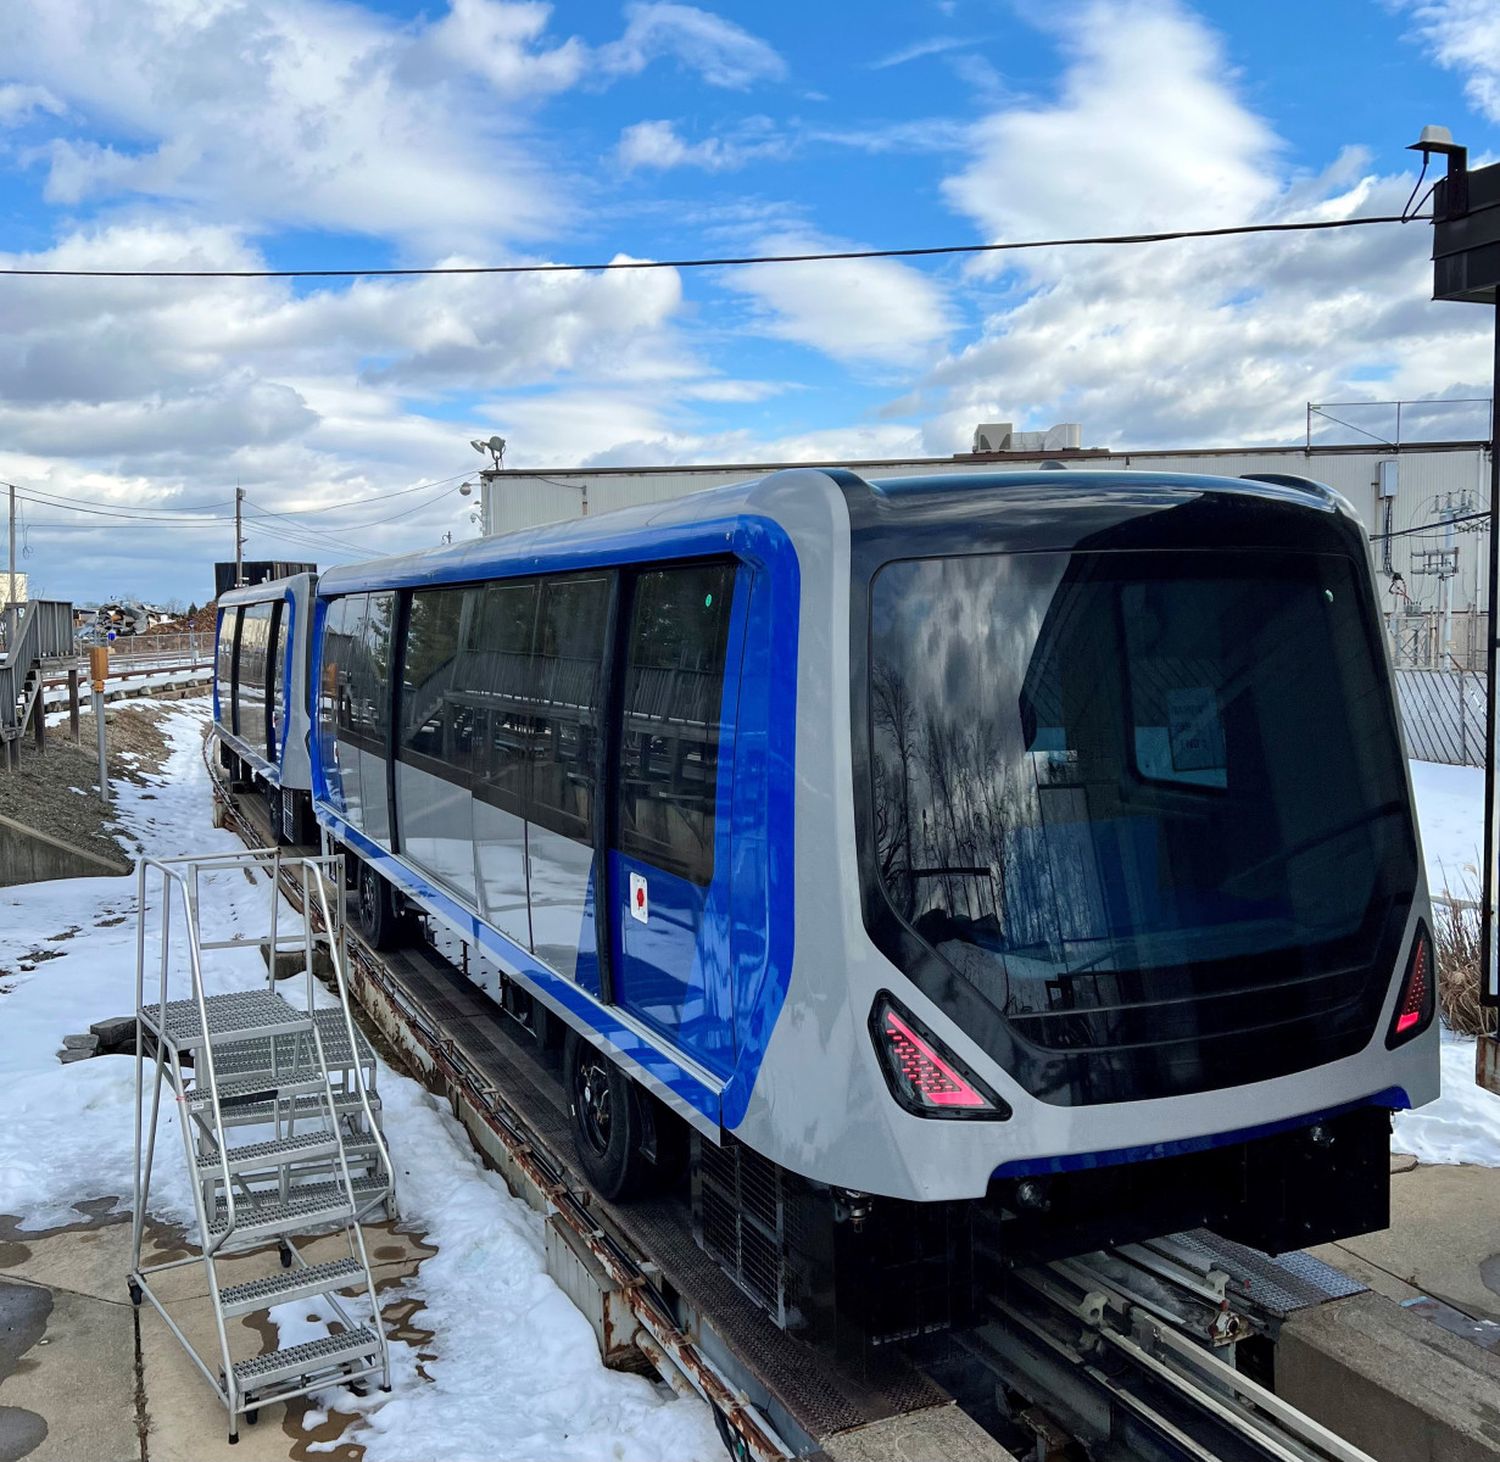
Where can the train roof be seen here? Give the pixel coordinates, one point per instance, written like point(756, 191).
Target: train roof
point(266, 589)
point(578, 541)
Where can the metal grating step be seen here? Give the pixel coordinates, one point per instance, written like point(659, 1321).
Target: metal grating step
point(245, 1016)
point(345, 1103)
point(276, 1152)
point(288, 1052)
point(310, 1204)
point(308, 1359)
point(259, 1086)
point(291, 1284)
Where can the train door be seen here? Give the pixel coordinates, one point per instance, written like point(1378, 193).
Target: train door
point(668, 863)
point(563, 696)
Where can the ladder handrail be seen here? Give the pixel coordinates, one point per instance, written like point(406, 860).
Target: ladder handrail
point(341, 986)
point(173, 873)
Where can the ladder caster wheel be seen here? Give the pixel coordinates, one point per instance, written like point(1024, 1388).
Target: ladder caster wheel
point(252, 1416)
point(286, 1256)
point(135, 1294)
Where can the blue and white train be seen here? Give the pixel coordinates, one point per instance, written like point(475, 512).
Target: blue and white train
point(1034, 842)
point(261, 706)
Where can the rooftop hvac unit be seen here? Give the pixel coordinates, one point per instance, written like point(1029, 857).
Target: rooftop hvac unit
point(1001, 436)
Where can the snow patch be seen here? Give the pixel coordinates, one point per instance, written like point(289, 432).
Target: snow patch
point(1450, 813)
point(1463, 1124)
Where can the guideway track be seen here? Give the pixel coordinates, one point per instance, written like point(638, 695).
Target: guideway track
point(1115, 1351)
point(1124, 1348)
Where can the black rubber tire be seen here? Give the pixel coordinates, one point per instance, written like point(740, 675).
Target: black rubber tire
point(604, 1105)
point(378, 920)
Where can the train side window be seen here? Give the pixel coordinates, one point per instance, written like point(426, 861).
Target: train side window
point(432, 722)
point(229, 628)
point(341, 631)
point(250, 674)
point(673, 705)
point(563, 694)
point(372, 671)
point(497, 666)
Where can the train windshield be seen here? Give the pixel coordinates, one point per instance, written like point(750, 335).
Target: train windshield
point(1125, 796)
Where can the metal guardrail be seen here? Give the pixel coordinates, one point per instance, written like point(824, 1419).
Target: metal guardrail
point(30, 633)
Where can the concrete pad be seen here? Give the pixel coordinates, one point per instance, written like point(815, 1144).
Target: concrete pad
point(70, 1390)
point(1391, 1382)
point(1444, 1238)
point(939, 1434)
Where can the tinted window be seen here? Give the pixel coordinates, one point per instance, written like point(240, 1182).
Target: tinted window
point(563, 696)
point(372, 702)
point(250, 682)
point(1123, 796)
point(674, 693)
point(341, 632)
point(229, 623)
point(434, 716)
point(497, 664)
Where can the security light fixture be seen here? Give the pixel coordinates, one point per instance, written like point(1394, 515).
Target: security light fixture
point(495, 447)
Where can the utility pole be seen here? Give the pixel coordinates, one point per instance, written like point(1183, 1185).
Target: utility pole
point(12, 542)
point(239, 537)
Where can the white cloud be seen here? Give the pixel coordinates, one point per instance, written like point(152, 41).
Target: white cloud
point(854, 310)
point(1144, 133)
point(18, 103)
point(311, 113)
point(721, 52)
point(656, 145)
point(917, 50)
point(1185, 343)
point(1464, 36)
point(504, 42)
point(152, 393)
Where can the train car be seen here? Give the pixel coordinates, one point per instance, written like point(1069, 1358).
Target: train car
point(1026, 848)
point(261, 703)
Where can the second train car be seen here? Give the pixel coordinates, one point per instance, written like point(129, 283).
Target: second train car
point(1036, 846)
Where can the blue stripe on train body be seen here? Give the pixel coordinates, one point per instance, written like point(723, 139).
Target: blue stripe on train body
point(716, 963)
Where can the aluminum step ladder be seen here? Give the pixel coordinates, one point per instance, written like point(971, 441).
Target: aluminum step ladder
point(298, 1083)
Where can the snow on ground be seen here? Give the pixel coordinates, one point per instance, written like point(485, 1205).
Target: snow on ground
point(1450, 810)
point(1463, 1124)
point(517, 1373)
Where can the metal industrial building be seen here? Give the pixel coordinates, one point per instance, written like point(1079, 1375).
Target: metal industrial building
point(1434, 602)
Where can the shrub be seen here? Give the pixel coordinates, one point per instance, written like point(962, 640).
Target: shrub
point(1456, 930)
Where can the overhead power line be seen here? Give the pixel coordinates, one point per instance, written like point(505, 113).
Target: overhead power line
point(1310, 225)
point(1428, 527)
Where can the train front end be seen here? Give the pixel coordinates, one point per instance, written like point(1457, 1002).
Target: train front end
point(1136, 845)
point(1136, 936)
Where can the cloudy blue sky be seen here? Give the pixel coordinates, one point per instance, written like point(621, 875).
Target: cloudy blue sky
point(291, 133)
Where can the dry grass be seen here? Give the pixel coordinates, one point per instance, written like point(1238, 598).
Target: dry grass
point(1456, 929)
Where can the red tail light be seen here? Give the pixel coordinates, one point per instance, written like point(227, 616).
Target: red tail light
point(1418, 998)
point(924, 1076)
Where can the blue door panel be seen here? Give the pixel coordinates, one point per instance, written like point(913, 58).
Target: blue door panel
point(674, 973)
